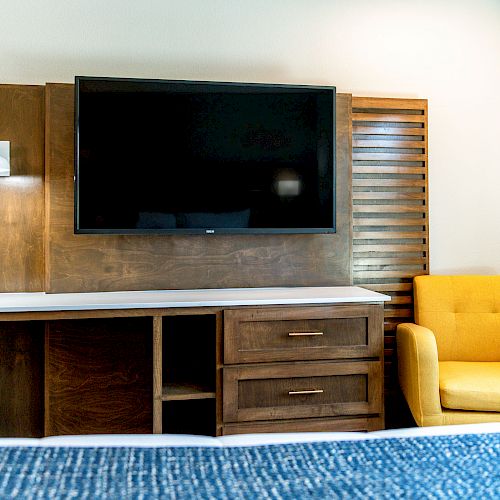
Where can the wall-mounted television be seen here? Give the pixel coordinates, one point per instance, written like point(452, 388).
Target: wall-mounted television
point(189, 157)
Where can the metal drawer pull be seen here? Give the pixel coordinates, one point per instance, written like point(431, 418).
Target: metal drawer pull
point(304, 334)
point(310, 391)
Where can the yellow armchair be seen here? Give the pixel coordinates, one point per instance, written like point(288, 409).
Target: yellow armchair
point(449, 362)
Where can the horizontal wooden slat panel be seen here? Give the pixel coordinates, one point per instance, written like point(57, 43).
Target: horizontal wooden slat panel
point(385, 235)
point(381, 130)
point(390, 194)
point(389, 248)
point(382, 274)
point(393, 103)
point(388, 182)
point(387, 117)
point(385, 255)
point(385, 221)
point(402, 299)
point(385, 261)
point(387, 169)
point(363, 143)
point(387, 195)
point(391, 322)
point(388, 157)
point(386, 268)
point(385, 209)
point(387, 287)
point(398, 313)
point(390, 325)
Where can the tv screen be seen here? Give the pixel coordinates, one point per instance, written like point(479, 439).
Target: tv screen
point(163, 156)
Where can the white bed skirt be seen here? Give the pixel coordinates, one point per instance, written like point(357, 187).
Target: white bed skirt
point(162, 440)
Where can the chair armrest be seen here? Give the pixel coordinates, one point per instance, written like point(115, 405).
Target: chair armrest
point(418, 370)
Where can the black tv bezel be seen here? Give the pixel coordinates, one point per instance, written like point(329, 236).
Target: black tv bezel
point(201, 231)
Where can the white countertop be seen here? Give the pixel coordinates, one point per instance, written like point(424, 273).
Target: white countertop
point(40, 301)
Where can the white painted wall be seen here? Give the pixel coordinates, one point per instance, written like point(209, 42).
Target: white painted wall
point(447, 51)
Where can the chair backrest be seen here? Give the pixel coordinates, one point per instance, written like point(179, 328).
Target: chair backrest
point(464, 314)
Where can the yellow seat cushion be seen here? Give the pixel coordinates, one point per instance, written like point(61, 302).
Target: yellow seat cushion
point(466, 385)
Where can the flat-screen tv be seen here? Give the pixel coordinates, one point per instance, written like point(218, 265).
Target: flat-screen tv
point(188, 157)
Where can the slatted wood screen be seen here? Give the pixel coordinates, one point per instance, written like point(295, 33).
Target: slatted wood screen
point(390, 209)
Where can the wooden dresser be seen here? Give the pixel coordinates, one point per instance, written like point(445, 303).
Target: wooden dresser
point(303, 368)
point(223, 361)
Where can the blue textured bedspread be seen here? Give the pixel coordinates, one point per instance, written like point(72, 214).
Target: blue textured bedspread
point(466, 466)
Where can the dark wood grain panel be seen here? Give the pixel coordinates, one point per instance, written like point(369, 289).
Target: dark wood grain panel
point(21, 379)
point(84, 263)
point(22, 194)
point(98, 376)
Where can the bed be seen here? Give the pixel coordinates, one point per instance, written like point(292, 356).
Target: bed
point(434, 462)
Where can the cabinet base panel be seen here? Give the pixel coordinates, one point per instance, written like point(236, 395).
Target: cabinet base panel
point(307, 425)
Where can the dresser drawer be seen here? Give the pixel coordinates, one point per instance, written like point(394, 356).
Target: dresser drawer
point(302, 333)
point(301, 390)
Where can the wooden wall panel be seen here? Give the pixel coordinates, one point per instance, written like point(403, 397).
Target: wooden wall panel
point(21, 258)
point(99, 376)
point(21, 379)
point(87, 263)
point(390, 214)
point(21, 194)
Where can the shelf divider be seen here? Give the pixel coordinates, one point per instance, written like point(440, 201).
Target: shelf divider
point(185, 391)
point(157, 374)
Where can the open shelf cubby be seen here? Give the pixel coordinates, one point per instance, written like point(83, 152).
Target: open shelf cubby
point(188, 367)
point(189, 417)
